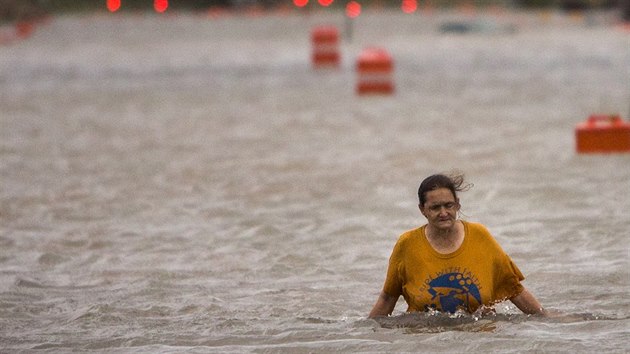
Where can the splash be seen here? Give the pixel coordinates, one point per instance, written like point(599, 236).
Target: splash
point(481, 321)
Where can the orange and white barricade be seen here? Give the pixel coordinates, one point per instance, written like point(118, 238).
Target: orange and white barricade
point(375, 72)
point(325, 42)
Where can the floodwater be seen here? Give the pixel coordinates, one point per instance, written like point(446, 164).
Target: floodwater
point(185, 183)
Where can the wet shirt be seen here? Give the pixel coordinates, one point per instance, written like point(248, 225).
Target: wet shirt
point(478, 273)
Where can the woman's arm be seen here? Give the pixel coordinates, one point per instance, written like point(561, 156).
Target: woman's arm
point(384, 305)
point(527, 303)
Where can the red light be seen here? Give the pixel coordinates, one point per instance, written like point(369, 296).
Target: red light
point(353, 9)
point(409, 6)
point(160, 5)
point(300, 3)
point(325, 2)
point(113, 5)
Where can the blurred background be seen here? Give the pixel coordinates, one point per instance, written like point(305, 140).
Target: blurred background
point(15, 10)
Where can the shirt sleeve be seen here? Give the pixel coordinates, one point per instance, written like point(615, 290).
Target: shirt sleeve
point(507, 279)
point(506, 275)
point(393, 282)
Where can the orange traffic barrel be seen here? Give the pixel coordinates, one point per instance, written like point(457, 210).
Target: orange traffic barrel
point(375, 72)
point(325, 41)
point(602, 134)
point(24, 29)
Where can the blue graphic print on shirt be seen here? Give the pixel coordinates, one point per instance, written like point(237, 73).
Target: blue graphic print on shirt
point(453, 291)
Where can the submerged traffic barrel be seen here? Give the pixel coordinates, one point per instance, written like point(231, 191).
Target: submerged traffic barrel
point(602, 133)
point(325, 42)
point(24, 29)
point(375, 72)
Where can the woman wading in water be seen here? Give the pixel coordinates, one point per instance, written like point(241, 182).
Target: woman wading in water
point(448, 264)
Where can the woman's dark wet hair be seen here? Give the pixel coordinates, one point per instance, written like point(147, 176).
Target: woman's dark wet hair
point(454, 182)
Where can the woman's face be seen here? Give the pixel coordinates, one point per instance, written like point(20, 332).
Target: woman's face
point(440, 208)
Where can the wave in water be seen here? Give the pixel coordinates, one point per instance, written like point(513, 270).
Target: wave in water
point(434, 322)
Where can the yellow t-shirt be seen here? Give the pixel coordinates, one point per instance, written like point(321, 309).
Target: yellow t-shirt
point(478, 273)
